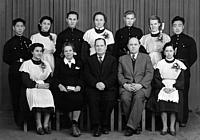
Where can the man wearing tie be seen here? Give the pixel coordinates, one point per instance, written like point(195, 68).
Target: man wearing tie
point(135, 72)
point(101, 79)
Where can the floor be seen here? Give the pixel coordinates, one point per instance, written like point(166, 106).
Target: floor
point(8, 131)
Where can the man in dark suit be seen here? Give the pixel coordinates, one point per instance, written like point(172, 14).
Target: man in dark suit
point(101, 79)
point(135, 72)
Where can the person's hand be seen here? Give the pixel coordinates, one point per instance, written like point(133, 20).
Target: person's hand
point(136, 86)
point(129, 87)
point(100, 86)
point(169, 90)
point(77, 89)
point(62, 88)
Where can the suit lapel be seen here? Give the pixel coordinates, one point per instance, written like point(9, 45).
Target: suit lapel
point(137, 63)
point(104, 63)
point(96, 64)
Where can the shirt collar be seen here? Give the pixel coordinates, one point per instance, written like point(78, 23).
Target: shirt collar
point(72, 61)
point(135, 55)
point(102, 57)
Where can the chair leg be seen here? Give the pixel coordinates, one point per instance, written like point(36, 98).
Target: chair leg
point(143, 119)
point(57, 120)
point(153, 122)
point(119, 116)
point(25, 126)
point(112, 120)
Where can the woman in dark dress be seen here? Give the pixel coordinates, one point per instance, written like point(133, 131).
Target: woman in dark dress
point(168, 84)
point(68, 86)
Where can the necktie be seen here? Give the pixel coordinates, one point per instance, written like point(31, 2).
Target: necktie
point(133, 57)
point(100, 59)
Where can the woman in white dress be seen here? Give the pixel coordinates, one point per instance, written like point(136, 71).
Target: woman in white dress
point(47, 39)
point(169, 85)
point(99, 31)
point(36, 79)
point(155, 40)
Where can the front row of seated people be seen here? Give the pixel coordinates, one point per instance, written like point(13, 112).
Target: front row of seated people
point(135, 73)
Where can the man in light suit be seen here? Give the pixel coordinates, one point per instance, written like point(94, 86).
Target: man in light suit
point(101, 80)
point(135, 72)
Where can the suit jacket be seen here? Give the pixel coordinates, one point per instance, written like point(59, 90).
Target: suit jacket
point(106, 72)
point(142, 73)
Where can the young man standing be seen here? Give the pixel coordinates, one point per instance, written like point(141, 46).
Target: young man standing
point(14, 53)
point(70, 35)
point(123, 35)
point(186, 51)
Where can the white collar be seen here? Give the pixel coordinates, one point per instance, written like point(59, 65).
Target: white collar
point(99, 28)
point(102, 57)
point(69, 62)
point(135, 55)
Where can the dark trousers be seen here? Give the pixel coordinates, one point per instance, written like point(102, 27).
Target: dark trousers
point(14, 79)
point(133, 105)
point(184, 109)
point(101, 104)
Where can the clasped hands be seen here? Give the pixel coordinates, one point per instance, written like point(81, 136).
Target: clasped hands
point(168, 90)
point(132, 87)
point(64, 89)
point(100, 86)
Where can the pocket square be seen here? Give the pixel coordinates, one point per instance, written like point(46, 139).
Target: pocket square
point(77, 68)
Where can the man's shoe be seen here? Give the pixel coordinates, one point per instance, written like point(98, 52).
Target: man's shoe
point(130, 132)
point(182, 125)
point(105, 131)
point(97, 132)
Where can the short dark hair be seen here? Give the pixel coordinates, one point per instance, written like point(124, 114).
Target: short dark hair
point(34, 45)
point(129, 12)
point(14, 22)
point(64, 45)
point(42, 19)
point(74, 13)
point(178, 18)
point(100, 13)
point(99, 39)
point(168, 44)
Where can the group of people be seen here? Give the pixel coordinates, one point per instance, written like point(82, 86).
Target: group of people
point(50, 72)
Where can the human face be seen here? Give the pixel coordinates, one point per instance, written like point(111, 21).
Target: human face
point(178, 27)
point(154, 25)
point(19, 28)
point(99, 21)
point(37, 53)
point(129, 20)
point(68, 52)
point(100, 47)
point(169, 52)
point(72, 20)
point(45, 25)
point(133, 45)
